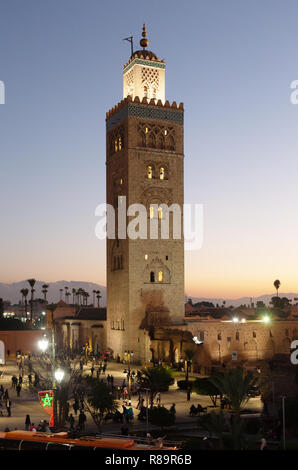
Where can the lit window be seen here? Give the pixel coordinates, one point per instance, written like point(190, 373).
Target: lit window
point(146, 257)
point(120, 143)
point(149, 172)
point(116, 145)
point(162, 173)
point(121, 181)
point(146, 130)
point(151, 212)
point(160, 276)
point(165, 132)
point(160, 213)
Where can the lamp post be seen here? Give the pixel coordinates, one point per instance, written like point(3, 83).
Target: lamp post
point(129, 355)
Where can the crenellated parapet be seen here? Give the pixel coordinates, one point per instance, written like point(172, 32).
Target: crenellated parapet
point(152, 103)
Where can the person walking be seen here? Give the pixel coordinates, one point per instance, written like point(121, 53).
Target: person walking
point(82, 419)
point(71, 422)
point(158, 399)
point(188, 394)
point(27, 422)
point(6, 395)
point(18, 389)
point(8, 407)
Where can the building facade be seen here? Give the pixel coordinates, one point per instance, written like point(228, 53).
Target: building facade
point(144, 165)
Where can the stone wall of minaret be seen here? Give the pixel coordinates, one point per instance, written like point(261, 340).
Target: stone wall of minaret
point(145, 277)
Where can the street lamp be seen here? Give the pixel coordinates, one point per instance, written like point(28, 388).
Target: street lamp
point(59, 374)
point(43, 344)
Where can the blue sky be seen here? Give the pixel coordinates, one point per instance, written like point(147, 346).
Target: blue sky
point(230, 62)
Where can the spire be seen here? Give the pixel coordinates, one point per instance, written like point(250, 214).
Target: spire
point(144, 41)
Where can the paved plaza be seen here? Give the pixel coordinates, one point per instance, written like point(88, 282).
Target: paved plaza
point(28, 402)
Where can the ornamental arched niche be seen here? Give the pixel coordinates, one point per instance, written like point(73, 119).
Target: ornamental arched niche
point(156, 196)
point(117, 255)
point(156, 272)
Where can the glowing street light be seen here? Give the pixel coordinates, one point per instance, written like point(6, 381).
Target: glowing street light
point(235, 319)
point(266, 319)
point(59, 374)
point(43, 344)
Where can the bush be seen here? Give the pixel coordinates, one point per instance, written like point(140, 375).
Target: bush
point(161, 416)
point(185, 384)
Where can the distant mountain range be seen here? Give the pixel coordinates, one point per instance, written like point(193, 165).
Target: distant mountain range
point(12, 292)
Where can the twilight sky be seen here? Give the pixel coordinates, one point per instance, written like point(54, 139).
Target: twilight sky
point(230, 61)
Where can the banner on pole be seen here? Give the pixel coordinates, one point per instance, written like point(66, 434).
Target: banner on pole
point(46, 399)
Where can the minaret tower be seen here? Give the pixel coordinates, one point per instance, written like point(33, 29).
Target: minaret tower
point(144, 163)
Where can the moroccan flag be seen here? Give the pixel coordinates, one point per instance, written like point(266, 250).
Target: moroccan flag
point(46, 399)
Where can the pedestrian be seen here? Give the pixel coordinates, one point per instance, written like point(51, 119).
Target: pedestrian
point(82, 419)
point(18, 389)
point(30, 379)
point(263, 443)
point(8, 407)
point(33, 428)
point(92, 371)
point(158, 399)
point(173, 409)
point(71, 422)
point(27, 422)
point(188, 394)
point(75, 407)
point(6, 395)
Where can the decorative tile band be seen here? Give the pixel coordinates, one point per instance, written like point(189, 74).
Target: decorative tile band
point(148, 63)
point(145, 112)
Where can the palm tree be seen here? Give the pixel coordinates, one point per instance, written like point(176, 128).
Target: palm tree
point(32, 284)
point(277, 286)
point(94, 292)
point(45, 291)
point(98, 296)
point(66, 292)
point(73, 295)
point(156, 379)
point(235, 385)
point(24, 293)
point(214, 423)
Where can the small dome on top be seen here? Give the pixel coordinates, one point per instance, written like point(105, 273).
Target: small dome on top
point(144, 53)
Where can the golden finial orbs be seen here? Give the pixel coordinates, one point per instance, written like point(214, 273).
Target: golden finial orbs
point(144, 41)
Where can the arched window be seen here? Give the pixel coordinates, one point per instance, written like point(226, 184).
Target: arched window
point(152, 140)
point(151, 212)
point(162, 173)
point(145, 91)
point(120, 143)
point(160, 213)
point(171, 143)
point(142, 139)
point(154, 93)
point(152, 276)
point(149, 172)
point(161, 142)
point(159, 276)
